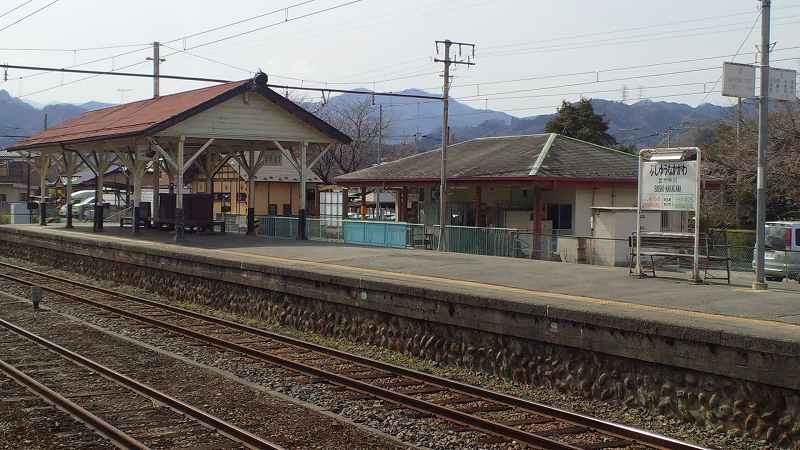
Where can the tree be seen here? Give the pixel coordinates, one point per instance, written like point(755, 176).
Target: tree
point(579, 121)
point(359, 120)
point(733, 163)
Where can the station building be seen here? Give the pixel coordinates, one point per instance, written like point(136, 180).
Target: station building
point(543, 183)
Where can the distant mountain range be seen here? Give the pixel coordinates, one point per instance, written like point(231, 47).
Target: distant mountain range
point(640, 124)
point(19, 118)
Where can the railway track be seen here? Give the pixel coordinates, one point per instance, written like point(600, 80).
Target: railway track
point(465, 407)
point(130, 414)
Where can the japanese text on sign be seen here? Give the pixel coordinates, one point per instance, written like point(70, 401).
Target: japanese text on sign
point(669, 185)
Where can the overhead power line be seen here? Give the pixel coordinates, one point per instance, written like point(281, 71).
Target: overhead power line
point(623, 30)
point(744, 41)
point(286, 20)
point(29, 15)
point(214, 80)
point(15, 8)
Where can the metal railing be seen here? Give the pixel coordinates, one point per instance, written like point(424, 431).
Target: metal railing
point(277, 227)
point(326, 229)
point(235, 223)
point(479, 240)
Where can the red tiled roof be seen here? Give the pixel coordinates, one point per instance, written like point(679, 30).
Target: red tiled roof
point(129, 118)
point(155, 114)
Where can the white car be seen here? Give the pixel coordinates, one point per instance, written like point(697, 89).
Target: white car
point(782, 255)
point(77, 197)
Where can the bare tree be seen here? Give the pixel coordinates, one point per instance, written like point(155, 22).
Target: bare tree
point(359, 120)
point(733, 163)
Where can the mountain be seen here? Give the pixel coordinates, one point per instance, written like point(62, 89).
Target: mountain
point(641, 124)
point(20, 118)
point(410, 116)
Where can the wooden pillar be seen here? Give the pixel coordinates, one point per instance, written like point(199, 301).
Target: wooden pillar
point(363, 210)
point(44, 167)
point(479, 222)
point(538, 216)
point(179, 162)
point(345, 203)
point(303, 176)
point(70, 163)
point(156, 188)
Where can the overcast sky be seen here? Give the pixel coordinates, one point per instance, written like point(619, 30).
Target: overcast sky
point(370, 41)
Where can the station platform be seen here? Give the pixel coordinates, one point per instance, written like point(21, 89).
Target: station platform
point(500, 289)
point(578, 284)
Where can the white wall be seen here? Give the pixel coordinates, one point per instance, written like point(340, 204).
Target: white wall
point(256, 118)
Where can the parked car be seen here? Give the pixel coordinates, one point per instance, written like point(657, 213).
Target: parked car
point(77, 197)
point(782, 256)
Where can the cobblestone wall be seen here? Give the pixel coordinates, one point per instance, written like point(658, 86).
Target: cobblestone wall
point(726, 404)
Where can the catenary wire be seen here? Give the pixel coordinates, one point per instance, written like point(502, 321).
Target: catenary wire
point(29, 15)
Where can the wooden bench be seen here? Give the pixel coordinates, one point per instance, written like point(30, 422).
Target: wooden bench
point(677, 246)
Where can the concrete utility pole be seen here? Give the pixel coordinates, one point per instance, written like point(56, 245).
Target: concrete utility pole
point(448, 60)
point(157, 60)
point(759, 283)
point(378, 191)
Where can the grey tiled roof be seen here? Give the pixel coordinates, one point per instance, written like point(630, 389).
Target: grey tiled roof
point(509, 157)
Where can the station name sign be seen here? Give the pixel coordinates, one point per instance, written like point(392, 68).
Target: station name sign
point(669, 185)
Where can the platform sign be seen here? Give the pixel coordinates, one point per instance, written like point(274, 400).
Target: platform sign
point(738, 80)
point(669, 185)
point(782, 84)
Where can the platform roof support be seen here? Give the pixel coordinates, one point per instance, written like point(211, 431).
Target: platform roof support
point(69, 164)
point(180, 168)
point(251, 161)
point(156, 187)
point(136, 162)
point(43, 162)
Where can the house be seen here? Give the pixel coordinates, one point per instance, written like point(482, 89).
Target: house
point(546, 184)
point(14, 177)
point(276, 186)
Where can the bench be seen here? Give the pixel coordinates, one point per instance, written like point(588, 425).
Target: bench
point(677, 246)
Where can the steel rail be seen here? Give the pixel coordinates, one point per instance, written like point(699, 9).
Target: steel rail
point(119, 438)
point(452, 415)
point(221, 426)
point(611, 428)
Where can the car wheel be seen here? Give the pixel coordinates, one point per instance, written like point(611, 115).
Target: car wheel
point(774, 278)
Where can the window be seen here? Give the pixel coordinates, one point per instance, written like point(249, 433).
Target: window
point(561, 215)
point(272, 209)
point(3, 198)
point(4, 169)
point(797, 237)
point(287, 209)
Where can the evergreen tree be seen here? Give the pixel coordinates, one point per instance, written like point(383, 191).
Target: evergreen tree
point(579, 121)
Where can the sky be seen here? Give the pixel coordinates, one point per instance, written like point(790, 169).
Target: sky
point(557, 49)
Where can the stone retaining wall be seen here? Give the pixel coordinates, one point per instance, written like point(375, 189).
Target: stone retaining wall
point(740, 406)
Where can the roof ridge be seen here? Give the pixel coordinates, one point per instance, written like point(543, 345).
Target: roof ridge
point(157, 98)
point(543, 154)
point(597, 145)
point(508, 136)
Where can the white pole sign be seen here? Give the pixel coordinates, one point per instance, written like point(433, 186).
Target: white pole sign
point(669, 185)
point(782, 84)
point(738, 80)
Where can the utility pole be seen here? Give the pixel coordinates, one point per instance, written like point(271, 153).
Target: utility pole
point(759, 283)
point(468, 60)
point(157, 60)
point(378, 191)
point(738, 205)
